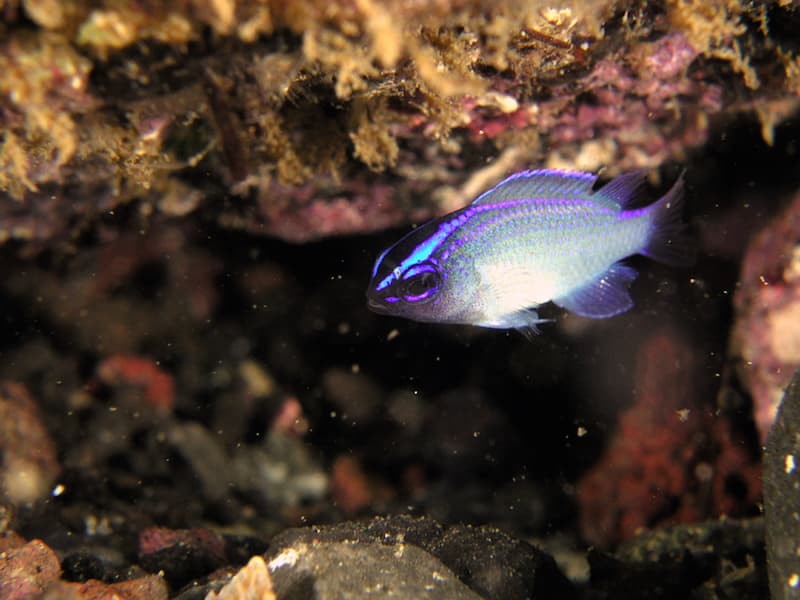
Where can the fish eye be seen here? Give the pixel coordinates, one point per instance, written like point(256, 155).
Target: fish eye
point(419, 282)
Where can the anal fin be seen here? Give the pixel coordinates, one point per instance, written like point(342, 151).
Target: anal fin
point(605, 296)
point(525, 321)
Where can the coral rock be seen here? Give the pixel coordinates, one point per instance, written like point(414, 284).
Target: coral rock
point(671, 459)
point(766, 337)
point(181, 555)
point(150, 587)
point(252, 582)
point(29, 462)
point(782, 495)
point(28, 570)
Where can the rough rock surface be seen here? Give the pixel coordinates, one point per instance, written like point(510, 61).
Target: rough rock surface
point(253, 581)
point(149, 587)
point(28, 459)
point(26, 569)
point(330, 570)
point(712, 559)
point(782, 497)
point(766, 338)
point(484, 560)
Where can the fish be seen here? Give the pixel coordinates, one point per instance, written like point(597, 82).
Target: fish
point(538, 236)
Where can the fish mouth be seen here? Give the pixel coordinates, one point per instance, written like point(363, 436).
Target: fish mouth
point(376, 306)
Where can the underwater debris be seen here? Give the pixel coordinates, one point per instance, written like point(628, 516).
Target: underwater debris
point(157, 386)
point(685, 561)
point(290, 419)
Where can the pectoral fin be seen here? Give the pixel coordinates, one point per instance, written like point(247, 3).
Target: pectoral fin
point(508, 288)
point(511, 293)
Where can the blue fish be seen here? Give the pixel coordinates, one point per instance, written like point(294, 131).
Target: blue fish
point(538, 236)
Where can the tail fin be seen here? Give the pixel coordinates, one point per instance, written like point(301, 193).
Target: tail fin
point(668, 240)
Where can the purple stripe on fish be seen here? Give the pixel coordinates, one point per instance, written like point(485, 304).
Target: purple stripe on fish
point(426, 249)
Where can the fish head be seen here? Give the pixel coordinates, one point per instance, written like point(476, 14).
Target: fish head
point(409, 281)
point(412, 293)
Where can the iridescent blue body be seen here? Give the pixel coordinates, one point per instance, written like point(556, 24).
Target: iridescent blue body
point(537, 236)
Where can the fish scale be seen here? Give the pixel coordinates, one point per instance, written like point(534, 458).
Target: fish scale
point(550, 238)
point(537, 236)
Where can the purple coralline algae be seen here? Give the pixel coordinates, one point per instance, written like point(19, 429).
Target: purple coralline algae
point(766, 337)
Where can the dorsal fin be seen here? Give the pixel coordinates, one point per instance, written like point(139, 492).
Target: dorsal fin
point(541, 183)
point(624, 190)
